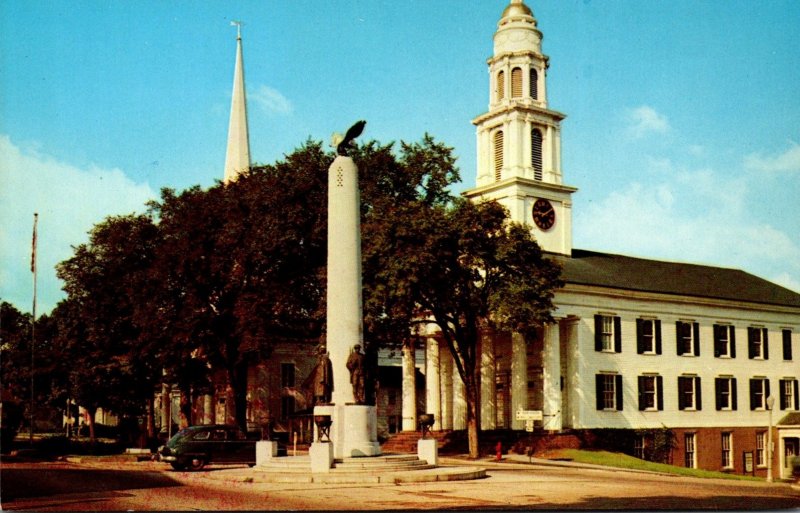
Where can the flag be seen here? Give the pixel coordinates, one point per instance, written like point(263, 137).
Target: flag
point(33, 244)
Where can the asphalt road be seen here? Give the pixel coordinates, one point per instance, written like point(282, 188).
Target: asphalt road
point(152, 486)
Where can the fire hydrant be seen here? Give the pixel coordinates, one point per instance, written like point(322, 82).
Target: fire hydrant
point(499, 450)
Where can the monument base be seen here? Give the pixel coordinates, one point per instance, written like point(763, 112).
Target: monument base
point(321, 455)
point(354, 431)
point(265, 451)
point(428, 450)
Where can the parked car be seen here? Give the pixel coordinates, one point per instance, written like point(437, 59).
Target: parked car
point(196, 446)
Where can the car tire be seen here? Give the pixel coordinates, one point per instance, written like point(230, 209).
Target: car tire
point(197, 463)
point(178, 465)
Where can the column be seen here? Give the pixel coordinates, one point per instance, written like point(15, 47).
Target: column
point(208, 409)
point(459, 401)
point(519, 378)
point(570, 401)
point(409, 389)
point(166, 403)
point(488, 393)
point(433, 394)
point(446, 364)
point(551, 363)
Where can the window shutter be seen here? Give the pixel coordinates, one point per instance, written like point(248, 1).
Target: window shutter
point(534, 85)
point(751, 345)
point(766, 389)
point(498, 155)
point(783, 398)
point(717, 338)
point(598, 386)
point(617, 335)
point(696, 332)
point(787, 344)
point(639, 348)
point(734, 400)
point(765, 342)
point(516, 83)
point(681, 394)
point(657, 328)
point(501, 85)
point(698, 395)
point(618, 389)
point(598, 332)
point(536, 153)
point(796, 398)
point(640, 379)
point(753, 394)
point(732, 338)
point(678, 330)
point(660, 391)
point(718, 392)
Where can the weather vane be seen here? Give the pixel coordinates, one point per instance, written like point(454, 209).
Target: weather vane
point(238, 24)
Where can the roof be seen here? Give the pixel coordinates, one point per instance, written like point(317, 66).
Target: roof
point(791, 419)
point(644, 275)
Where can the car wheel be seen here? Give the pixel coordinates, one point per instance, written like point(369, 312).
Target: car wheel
point(178, 465)
point(196, 463)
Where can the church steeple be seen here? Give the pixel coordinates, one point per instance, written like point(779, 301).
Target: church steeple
point(237, 156)
point(519, 138)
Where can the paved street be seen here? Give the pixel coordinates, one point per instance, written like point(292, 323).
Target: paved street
point(151, 486)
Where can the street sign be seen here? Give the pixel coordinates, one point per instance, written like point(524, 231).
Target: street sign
point(529, 414)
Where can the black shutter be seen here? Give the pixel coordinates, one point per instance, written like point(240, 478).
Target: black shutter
point(617, 334)
point(660, 391)
point(598, 332)
point(696, 329)
point(783, 397)
point(678, 330)
point(766, 389)
point(618, 388)
point(639, 348)
point(717, 337)
point(598, 386)
point(681, 395)
point(718, 392)
point(787, 345)
point(751, 346)
point(753, 394)
point(698, 394)
point(732, 338)
point(641, 392)
point(734, 399)
point(765, 341)
point(796, 398)
point(657, 328)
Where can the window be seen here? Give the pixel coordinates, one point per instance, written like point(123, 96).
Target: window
point(689, 397)
point(607, 334)
point(759, 391)
point(724, 341)
point(688, 338)
point(789, 399)
point(725, 388)
point(638, 447)
point(516, 83)
point(608, 391)
point(287, 375)
point(761, 461)
point(651, 396)
point(534, 85)
point(648, 336)
point(690, 457)
point(536, 153)
point(727, 450)
point(287, 407)
point(498, 155)
point(787, 344)
point(757, 343)
point(501, 85)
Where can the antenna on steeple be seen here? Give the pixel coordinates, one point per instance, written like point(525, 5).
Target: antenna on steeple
point(238, 24)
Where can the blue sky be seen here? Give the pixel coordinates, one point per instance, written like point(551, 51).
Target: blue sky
point(682, 130)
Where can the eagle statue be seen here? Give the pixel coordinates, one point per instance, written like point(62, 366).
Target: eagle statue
point(343, 143)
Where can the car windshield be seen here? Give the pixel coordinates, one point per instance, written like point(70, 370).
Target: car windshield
point(180, 435)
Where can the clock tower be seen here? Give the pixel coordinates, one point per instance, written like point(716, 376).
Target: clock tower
point(519, 138)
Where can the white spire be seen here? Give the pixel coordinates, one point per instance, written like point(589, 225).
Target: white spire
point(237, 157)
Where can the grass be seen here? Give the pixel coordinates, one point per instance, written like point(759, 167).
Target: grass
point(618, 460)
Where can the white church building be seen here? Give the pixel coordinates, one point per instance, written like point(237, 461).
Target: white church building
point(638, 343)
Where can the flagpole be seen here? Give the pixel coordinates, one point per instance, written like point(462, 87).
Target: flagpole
point(33, 322)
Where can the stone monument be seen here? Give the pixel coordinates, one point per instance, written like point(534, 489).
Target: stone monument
point(353, 431)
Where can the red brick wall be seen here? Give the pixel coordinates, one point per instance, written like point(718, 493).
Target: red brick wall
point(708, 448)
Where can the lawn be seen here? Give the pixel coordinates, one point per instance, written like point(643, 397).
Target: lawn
point(613, 459)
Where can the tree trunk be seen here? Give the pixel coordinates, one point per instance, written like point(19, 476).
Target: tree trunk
point(238, 380)
point(472, 391)
point(151, 417)
point(185, 407)
point(90, 413)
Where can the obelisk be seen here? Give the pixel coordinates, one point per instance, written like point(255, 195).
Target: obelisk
point(354, 429)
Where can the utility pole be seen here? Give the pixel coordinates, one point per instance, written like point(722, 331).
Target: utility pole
point(33, 325)
point(770, 404)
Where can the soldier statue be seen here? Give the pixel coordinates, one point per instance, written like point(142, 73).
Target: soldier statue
point(323, 377)
point(355, 364)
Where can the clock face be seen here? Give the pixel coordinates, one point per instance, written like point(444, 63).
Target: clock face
point(544, 215)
